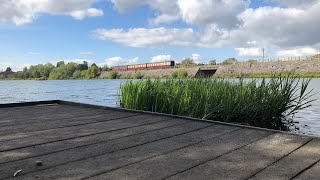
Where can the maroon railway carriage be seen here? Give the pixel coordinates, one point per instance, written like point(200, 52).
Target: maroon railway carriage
point(137, 67)
point(160, 65)
point(156, 65)
point(120, 68)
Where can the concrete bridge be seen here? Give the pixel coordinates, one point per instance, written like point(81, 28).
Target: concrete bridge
point(207, 71)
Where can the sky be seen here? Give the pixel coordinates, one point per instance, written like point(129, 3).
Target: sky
point(117, 32)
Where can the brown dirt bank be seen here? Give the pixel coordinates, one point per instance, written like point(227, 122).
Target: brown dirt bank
point(306, 66)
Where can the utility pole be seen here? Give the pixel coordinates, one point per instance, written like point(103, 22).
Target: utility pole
point(262, 54)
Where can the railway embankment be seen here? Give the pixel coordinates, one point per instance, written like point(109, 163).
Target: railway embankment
point(301, 67)
point(307, 66)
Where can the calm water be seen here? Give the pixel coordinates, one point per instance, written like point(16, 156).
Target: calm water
point(105, 92)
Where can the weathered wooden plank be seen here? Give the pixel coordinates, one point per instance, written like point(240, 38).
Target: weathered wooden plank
point(63, 157)
point(26, 111)
point(47, 148)
point(11, 135)
point(60, 123)
point(39, 137)
point(292, 164)
point(98, 164)
point(172, 163)
point(13, 120)
point(246, 161)
point(310, 174)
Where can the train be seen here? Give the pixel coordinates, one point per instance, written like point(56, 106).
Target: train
point(135, 67)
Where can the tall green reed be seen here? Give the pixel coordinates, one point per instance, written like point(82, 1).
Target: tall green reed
point(263, 103)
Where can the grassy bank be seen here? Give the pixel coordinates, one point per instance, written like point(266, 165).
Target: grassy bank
point(268, 104)
point(270, 75)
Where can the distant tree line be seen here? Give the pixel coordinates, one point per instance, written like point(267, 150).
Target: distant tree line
point(62, 70)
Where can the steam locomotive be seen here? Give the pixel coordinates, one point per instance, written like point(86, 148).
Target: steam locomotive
point(156, 65)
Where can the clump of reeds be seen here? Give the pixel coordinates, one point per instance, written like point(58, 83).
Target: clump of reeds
point(263, 103)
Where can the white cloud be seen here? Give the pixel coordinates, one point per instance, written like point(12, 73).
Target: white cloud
point(297, 52)
point(249, 52)
point(81, 14)
point(282, 27)
point(297, 3)
point(164, 18)
point(25, 11)
point(116, 61)
point(222, 12)
point(223, 23)
point(196, 58)
point(160, 58)
point(142, 37)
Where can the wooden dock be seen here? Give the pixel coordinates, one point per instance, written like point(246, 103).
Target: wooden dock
point(63, 140)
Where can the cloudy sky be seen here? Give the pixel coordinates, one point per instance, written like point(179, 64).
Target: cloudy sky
point(116, 32)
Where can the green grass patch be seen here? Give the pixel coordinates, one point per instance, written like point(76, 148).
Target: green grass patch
point(263, 103)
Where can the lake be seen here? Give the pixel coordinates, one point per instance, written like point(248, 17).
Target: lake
point(105, 92)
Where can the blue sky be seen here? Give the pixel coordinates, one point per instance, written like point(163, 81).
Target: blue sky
point(120, 32)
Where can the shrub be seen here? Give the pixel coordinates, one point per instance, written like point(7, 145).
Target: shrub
point(174, 74)
point(125, 76)
point(137, 75)
point(182, 73)
point(113, 75)
point(265, 103)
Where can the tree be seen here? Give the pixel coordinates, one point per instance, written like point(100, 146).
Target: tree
point(8, 70)
point(92, 72)
point(46, 70)
point(105, 68)
point(94, 65)
point(35, 71)
point(213, 62)
point(229, 61)
point(252, 61)
point(79, 74)
point(83, 66)
point(60, 63)
point(187, 62)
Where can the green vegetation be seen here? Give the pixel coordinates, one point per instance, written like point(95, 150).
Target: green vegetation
point(262, 103)
point(188, 62)
point(213, 62)
point(252, 61)
point(137, 75)
point(230, 61)
point(60, 71)
point(113, 75)
point(179, 73)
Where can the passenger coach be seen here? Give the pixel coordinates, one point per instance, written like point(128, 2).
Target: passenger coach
point(156, 65)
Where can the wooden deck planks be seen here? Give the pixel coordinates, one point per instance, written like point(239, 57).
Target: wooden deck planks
point(74, 142)
point(40, 137)
point(52, 147)
point(98, 164)
point(63, 122)
point(294, 163)
point(178, 161)
point(311, 173)
point(246, 161)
